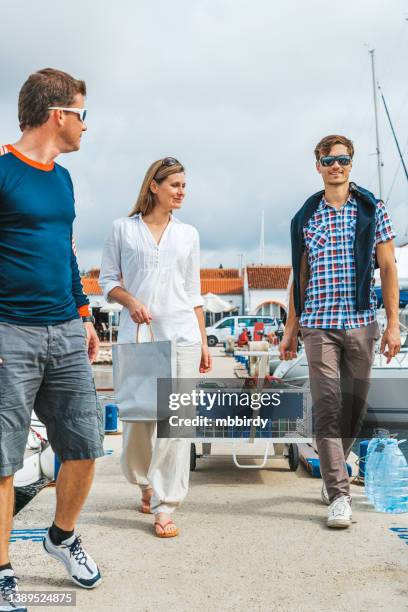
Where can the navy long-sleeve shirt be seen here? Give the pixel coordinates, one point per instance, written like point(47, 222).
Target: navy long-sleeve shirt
point(39, 277)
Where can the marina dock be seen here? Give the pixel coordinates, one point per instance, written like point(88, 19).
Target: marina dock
point(250, 540)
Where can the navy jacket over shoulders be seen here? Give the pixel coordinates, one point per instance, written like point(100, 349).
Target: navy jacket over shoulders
point(363, 244)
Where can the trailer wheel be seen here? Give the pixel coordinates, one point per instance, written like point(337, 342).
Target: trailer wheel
point(193, 457)
point(293, 457)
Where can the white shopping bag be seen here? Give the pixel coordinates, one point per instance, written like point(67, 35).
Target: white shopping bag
point(136, 368)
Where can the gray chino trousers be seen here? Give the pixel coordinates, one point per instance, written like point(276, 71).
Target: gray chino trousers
point(340, 362)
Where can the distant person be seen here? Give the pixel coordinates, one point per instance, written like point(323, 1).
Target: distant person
point(243, 338)
point(337, 236)
point(47, 338)
point(272, 338)
point(151, 265)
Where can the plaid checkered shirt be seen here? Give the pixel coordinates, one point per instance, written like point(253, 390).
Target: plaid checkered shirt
point(328, 238)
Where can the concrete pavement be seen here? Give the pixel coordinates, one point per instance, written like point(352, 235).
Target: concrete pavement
point(250, 540)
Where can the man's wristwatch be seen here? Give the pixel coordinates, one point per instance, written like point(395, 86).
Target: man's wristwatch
point(88, 319)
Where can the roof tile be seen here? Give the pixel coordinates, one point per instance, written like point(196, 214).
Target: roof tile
point(91, 286)
point(219, 273)
point(268, 277)
point(221, 286)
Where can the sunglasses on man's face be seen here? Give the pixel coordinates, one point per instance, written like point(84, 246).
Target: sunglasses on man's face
point(329, 160)
point(81, 112)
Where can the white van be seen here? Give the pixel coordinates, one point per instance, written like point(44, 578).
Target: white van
point(233, 326)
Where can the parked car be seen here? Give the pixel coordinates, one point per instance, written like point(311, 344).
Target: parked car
point(233, 326)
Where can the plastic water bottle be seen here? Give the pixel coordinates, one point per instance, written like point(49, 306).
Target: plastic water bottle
point(378, 468)
point(396, 499)
point(370, 460)
point(390, 477)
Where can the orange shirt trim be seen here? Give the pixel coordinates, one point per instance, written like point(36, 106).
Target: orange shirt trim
point(30, 162)
point(84, 311)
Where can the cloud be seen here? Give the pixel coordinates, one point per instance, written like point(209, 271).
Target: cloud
point(239, 91)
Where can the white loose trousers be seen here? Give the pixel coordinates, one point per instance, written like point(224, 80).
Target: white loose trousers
point(159, 463)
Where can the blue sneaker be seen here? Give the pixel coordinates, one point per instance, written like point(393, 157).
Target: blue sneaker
point(8, 592)
point(80, 566)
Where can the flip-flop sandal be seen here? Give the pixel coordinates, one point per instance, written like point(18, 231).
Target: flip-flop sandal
point(166, 534)
point(145, 507)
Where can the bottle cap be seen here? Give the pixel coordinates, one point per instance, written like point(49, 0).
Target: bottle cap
point(381, 433)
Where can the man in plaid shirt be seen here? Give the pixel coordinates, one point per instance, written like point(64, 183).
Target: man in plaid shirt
point(339, 236)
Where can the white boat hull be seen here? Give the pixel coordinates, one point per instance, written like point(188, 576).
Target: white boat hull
point(38, 457)
point(388, 396)
point(31, 471)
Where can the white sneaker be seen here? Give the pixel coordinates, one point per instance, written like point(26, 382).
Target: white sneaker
point(8, 592)
point(81, 567)
point(340, 513)
point(324, 496)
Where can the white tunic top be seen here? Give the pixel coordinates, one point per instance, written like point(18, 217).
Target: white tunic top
point(165, 277)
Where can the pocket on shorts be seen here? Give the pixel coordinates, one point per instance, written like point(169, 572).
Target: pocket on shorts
point(20, 369)
point(79, 432)
point(74, 336)
point(12, 447)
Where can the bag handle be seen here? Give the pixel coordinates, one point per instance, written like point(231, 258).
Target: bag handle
point(150, 329)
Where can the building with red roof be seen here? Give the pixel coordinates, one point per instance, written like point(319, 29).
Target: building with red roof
point(257, 289)
point(266, 289)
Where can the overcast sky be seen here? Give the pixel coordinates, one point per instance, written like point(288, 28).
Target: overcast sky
point(240, 91)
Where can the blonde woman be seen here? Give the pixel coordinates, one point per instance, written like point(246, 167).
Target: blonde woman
point(150, 265)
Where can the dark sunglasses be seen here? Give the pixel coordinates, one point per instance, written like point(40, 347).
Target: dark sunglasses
point(329, 160)
point(170, 161)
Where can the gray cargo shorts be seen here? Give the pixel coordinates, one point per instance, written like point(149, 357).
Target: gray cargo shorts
point(47, 369)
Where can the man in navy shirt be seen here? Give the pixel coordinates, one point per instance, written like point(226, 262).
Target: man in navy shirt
point(47, 337)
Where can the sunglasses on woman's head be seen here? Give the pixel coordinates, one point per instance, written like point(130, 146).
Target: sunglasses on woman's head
point(329, 160)
point(170, 161)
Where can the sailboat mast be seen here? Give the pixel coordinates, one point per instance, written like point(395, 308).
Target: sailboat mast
point(262, 240)
point(394, 134)
point(377, 135)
